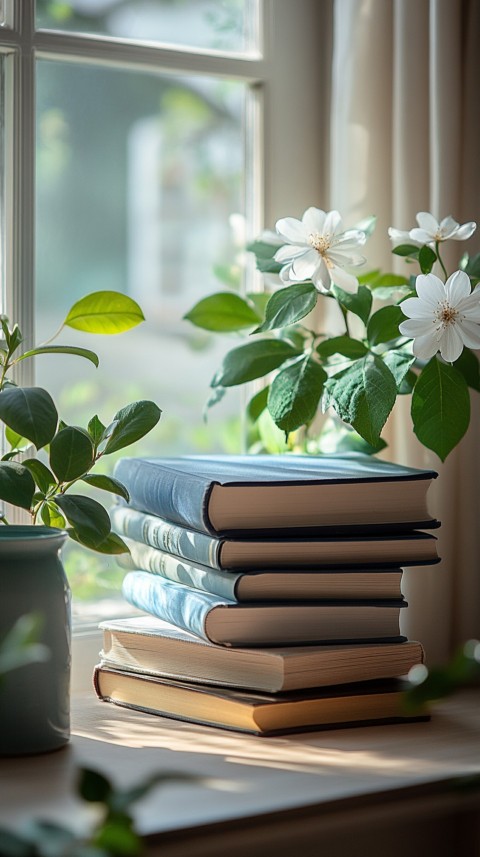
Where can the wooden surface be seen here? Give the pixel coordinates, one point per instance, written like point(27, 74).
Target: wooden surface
point(319, 776)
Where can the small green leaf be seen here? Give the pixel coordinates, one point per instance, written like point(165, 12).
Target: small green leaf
point(94, 787)
point(344, 345)
point(468, 365)
point(130, 424)
point(295, 393)
point(112, 545)
point(427, 258)
point(387, 281)
point(16, 484)
point(399, 363)
point(223, 312)
point(472, 267)
point(440, 407)
point(410, 250)
point(289, 305)
point(16, 440)
point(383, 325)
point(264, 253)
point(117, 837)
point(71, 453)
point(260, 301)
point(62, 349)
point(96, 430)
point(214, 398)
point(257, 404)
point(252, 360)
point(107, 483)
point(360, 303)
point(408, 383)
point(31, 412)
point(104, 312)
point(88, 518)
point(363, 396)
point(51, 515)
point(43, 477)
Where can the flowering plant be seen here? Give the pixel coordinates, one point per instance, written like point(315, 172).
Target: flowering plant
point(30, 421)
point(417, 343)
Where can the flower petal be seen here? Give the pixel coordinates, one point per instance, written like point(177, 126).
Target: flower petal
point(342, 278)
point(341, 258)
point(470, 333)
point(415, 308)
point(350, 238)
point(416, 327)
point(457, 287)
point(321, 277)
point(304, 266)
point(313, 220)
point(398, 236)
point(425, 346)
point(421, 236)
point(451, 343)
point(289, 251)
point(430, 289)
point(333, 223)
point(448, 227)
point(291, 230)
point(427, 222)
point(465, 231)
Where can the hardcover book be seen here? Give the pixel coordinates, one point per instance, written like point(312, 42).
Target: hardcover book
point(230, 623)
point(389, 549)
point(148, 645)
point(234, 494)
point(262, 714)
point(270, 584)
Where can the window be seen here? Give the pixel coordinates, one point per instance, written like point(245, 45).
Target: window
point(138, 141)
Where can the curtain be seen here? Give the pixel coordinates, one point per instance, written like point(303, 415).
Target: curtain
point(404, 137)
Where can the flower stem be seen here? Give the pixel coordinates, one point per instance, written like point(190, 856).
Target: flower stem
point(437, 250)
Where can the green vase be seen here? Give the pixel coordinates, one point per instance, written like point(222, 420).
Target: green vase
point(35, 699)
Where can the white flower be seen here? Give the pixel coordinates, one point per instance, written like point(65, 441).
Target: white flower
point(317, 249)
point(400, 236)
point(431, 231)
point(444, 317)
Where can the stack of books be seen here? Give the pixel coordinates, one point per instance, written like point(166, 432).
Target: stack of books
point(271, 589)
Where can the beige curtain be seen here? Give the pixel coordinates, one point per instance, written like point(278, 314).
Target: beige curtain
point(405, 138)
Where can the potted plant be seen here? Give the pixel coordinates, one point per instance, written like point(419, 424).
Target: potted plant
point(45, 462)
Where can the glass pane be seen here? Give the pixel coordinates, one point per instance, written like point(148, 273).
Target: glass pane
point(223, 25)
point(139, 190)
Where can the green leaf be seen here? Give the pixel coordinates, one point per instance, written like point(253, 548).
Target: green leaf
point(468, 365)
point(112, 545)
point(252, 360)
point(214, 398)
point(363, 396)
point(130, 424)
point(257, 404)
point(43, 477)
point(96, 430)
point(410, 250)
point(399, 363)
point(289, 305)
point(16, 484)
point(360, 303)
point(93, 787)
point(383, 325)
point(295, 393)
point(104, 312)
point(408, 383)
point(344, 345)
point(107, 483)
point(51, 515)
point(472, 267)
point(117, 837)
point(62, 349)
point(427, 258)
point(29, 411)
point(223, 312)
point(16, 440)
point(260, 301)
point(89, 519)
point(440, 407)
point(71, 453)
point(387, 281)
point(264, 253)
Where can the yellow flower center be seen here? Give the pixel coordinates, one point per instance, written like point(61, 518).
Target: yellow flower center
point(320, 243)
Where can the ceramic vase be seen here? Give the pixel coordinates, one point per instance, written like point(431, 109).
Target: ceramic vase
point(35, 699)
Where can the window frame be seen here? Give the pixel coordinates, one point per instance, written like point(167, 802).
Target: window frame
point(282, 74)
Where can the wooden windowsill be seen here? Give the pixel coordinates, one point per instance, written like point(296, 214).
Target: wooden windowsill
point(259, 789)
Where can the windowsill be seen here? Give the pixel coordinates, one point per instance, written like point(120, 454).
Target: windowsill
point(397, 773)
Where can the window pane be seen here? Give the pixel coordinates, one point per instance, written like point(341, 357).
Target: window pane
point(138, 178)
point(215, 24)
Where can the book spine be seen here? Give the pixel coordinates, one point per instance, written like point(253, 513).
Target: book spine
point(179, 605)
point(174, 568)
point(177, 495)
point(153, 531)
